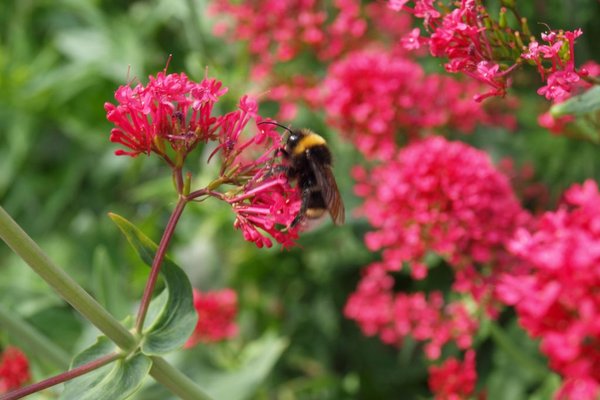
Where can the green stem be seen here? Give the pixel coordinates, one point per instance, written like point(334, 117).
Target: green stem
point(33, 255)
point(61, 378)
point(504, 342)
point(60, 281)
point(176, 381)
point(157, 263)
point(27, 336)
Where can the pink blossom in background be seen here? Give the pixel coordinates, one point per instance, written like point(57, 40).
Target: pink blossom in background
point(278, 31)
point(375, 98)
point(559, 53)
point(556, 297)
point(14, 369)
point(394, 316)
point(454, 379)
point(217, 311)
point(458, 34)
point(560, 124)
point(439, 196)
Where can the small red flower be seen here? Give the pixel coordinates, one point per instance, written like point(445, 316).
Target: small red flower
point(216, 316)
point(453, 379)
point(14, 369)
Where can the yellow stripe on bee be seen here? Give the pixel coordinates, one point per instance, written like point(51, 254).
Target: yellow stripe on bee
point(309, 140)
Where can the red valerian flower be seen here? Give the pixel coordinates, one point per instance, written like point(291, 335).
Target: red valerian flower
point(171, 115)
point(438, 196)
point(559, 52)
point(394, 316)
point(277, 31)
point(216, 316)
point(264, 202)
point(14, 369)
point(170, 110)
point(556, 294)
point(461, 35)
point(375, 97)
point(453, 379)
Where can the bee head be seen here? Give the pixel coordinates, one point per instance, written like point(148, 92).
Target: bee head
point(290, 137)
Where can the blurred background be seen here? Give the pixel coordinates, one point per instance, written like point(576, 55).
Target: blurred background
point(60, 61)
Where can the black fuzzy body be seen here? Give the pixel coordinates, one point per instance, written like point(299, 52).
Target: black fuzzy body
point(303, 156)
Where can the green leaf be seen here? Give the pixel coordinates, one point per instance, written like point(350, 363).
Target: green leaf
point(585, 103)
point(117, 380)
point(175, 322)
point(258, 359)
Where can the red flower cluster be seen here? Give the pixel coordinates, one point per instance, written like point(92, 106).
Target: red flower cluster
point(488, 50)
point(14, 369)
point(560, 124)
point(439, 196)
point(556, 297)
point(169, 109)
point(216, 316)
point(461, 35)
point(454, 380)
point(277, 31)
point(171, 115)
point(378, 311)
point(443, 197)
point(373, 96)
point(561, 77)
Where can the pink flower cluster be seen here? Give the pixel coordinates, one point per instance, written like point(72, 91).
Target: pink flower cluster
point(216, 316)
point(374, 96)
point(428, 319)
point(171, 115)
point(14, 369)
point(439, 196)
point(169, 109)
point(561, 77)
point(488, 50)
point(560, 124)
point(278, 31)
point(454, 380)
point(556, 296)
point(461, 36)
point(447, 198)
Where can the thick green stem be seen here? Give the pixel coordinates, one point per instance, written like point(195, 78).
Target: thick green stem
point(176, 381)
point(28, 337)
point(66, 287)
point(60, 281)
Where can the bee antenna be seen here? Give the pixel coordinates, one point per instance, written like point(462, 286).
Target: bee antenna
point(275, 123)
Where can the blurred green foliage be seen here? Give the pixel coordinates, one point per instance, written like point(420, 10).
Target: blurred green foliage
point(61, 60)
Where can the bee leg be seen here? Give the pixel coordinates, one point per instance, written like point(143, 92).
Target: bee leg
point(280, 168)
point(303, 207)
point(277, 170)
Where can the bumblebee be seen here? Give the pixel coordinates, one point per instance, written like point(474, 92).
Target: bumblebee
point(308, 163)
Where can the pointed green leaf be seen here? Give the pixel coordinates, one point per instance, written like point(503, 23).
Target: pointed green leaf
point(586, 103)
point(117, 380)
point(176, 321)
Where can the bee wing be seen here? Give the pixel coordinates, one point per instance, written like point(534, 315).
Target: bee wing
point(330, 191)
